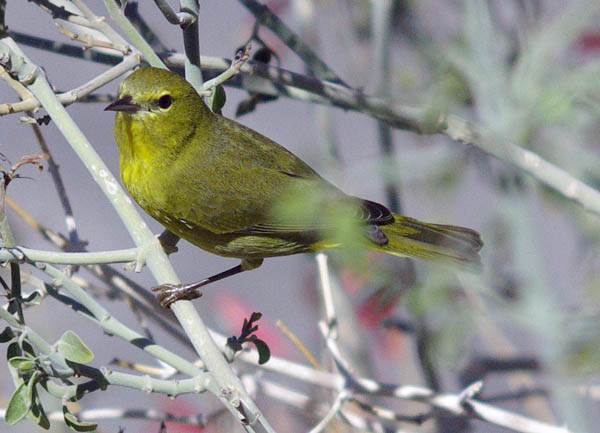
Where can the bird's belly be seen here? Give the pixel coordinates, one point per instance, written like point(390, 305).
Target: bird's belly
point(149, 196)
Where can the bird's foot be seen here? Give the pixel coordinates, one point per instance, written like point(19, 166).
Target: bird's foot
point(169, 293)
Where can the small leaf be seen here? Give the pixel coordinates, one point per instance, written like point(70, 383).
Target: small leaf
point(26, 348)
point(22, 363)
point(6, 335)
point(31, 385)
point(35, 298)
point(255, 316)
point(74, 424)
point(13, 350)
point(218, 99)
point(264, 353)
point(18, 406)
point(74, 349)
point(37, 413)
point(19, 348)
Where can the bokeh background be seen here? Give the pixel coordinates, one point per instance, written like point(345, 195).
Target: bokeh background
point(526, 71)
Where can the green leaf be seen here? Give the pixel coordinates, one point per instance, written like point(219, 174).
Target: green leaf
point(264, 353)
point(31, 384)
point(37, 413)
point(35, 298)
point(13, 350)
point(218, 99)
point(6, 335)
point(26, 348)
point(22, 363)
point(74, 424)
point(19, 348)
point(74, 349)
point(18, 406)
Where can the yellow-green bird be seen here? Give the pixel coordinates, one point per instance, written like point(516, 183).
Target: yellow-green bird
point(234, 192)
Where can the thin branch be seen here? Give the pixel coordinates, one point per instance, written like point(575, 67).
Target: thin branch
point(172, 388)
point(389, 415)
point(58, 10)
point(60, 188)
point(462, 404)
point(268, 19)
point(191, 43)
point(19, 254)
point(333, 411)
point(147, 414)
point(93, 54)
point(332, 325)
point(381, 16)
point(119, 17)
point(238, 61)
point(99, 23)
point(72, 96)
point(299, 345)
point(168, 12)
point(132, 13)
point(89, 40)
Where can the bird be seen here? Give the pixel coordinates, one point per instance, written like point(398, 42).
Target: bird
point(234, 192)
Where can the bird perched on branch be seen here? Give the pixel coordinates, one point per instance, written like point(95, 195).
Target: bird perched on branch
point(234, 192)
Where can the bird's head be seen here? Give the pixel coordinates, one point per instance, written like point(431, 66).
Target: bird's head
point(159, 105)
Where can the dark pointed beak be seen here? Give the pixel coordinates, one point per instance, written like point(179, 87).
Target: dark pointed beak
point(124, 104)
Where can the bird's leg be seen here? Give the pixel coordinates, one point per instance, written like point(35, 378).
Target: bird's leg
point(169, 293)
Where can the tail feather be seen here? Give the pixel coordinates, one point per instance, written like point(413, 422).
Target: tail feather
point(435, 242)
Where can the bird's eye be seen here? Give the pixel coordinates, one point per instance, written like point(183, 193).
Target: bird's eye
point(165, 101)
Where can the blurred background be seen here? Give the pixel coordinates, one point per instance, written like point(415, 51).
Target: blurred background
point(527, 71)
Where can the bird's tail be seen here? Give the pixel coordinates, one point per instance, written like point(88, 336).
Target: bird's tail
point(434, 242)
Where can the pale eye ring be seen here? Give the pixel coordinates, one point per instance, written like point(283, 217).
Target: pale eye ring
point(165, 101)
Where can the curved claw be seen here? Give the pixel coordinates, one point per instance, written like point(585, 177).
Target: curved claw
point(169, 293)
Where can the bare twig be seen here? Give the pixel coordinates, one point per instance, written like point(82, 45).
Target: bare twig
point(462, 404)
point(146, 50)
point(145, 414)
point(191, 43)
point(327, 295)
point(301, 347)
point(60, 189)
point(240, 58)
point(89, 40)
point(268, 19)
point(99, 23)
point(333, 411)
point(168, 12)
point(70, 97)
